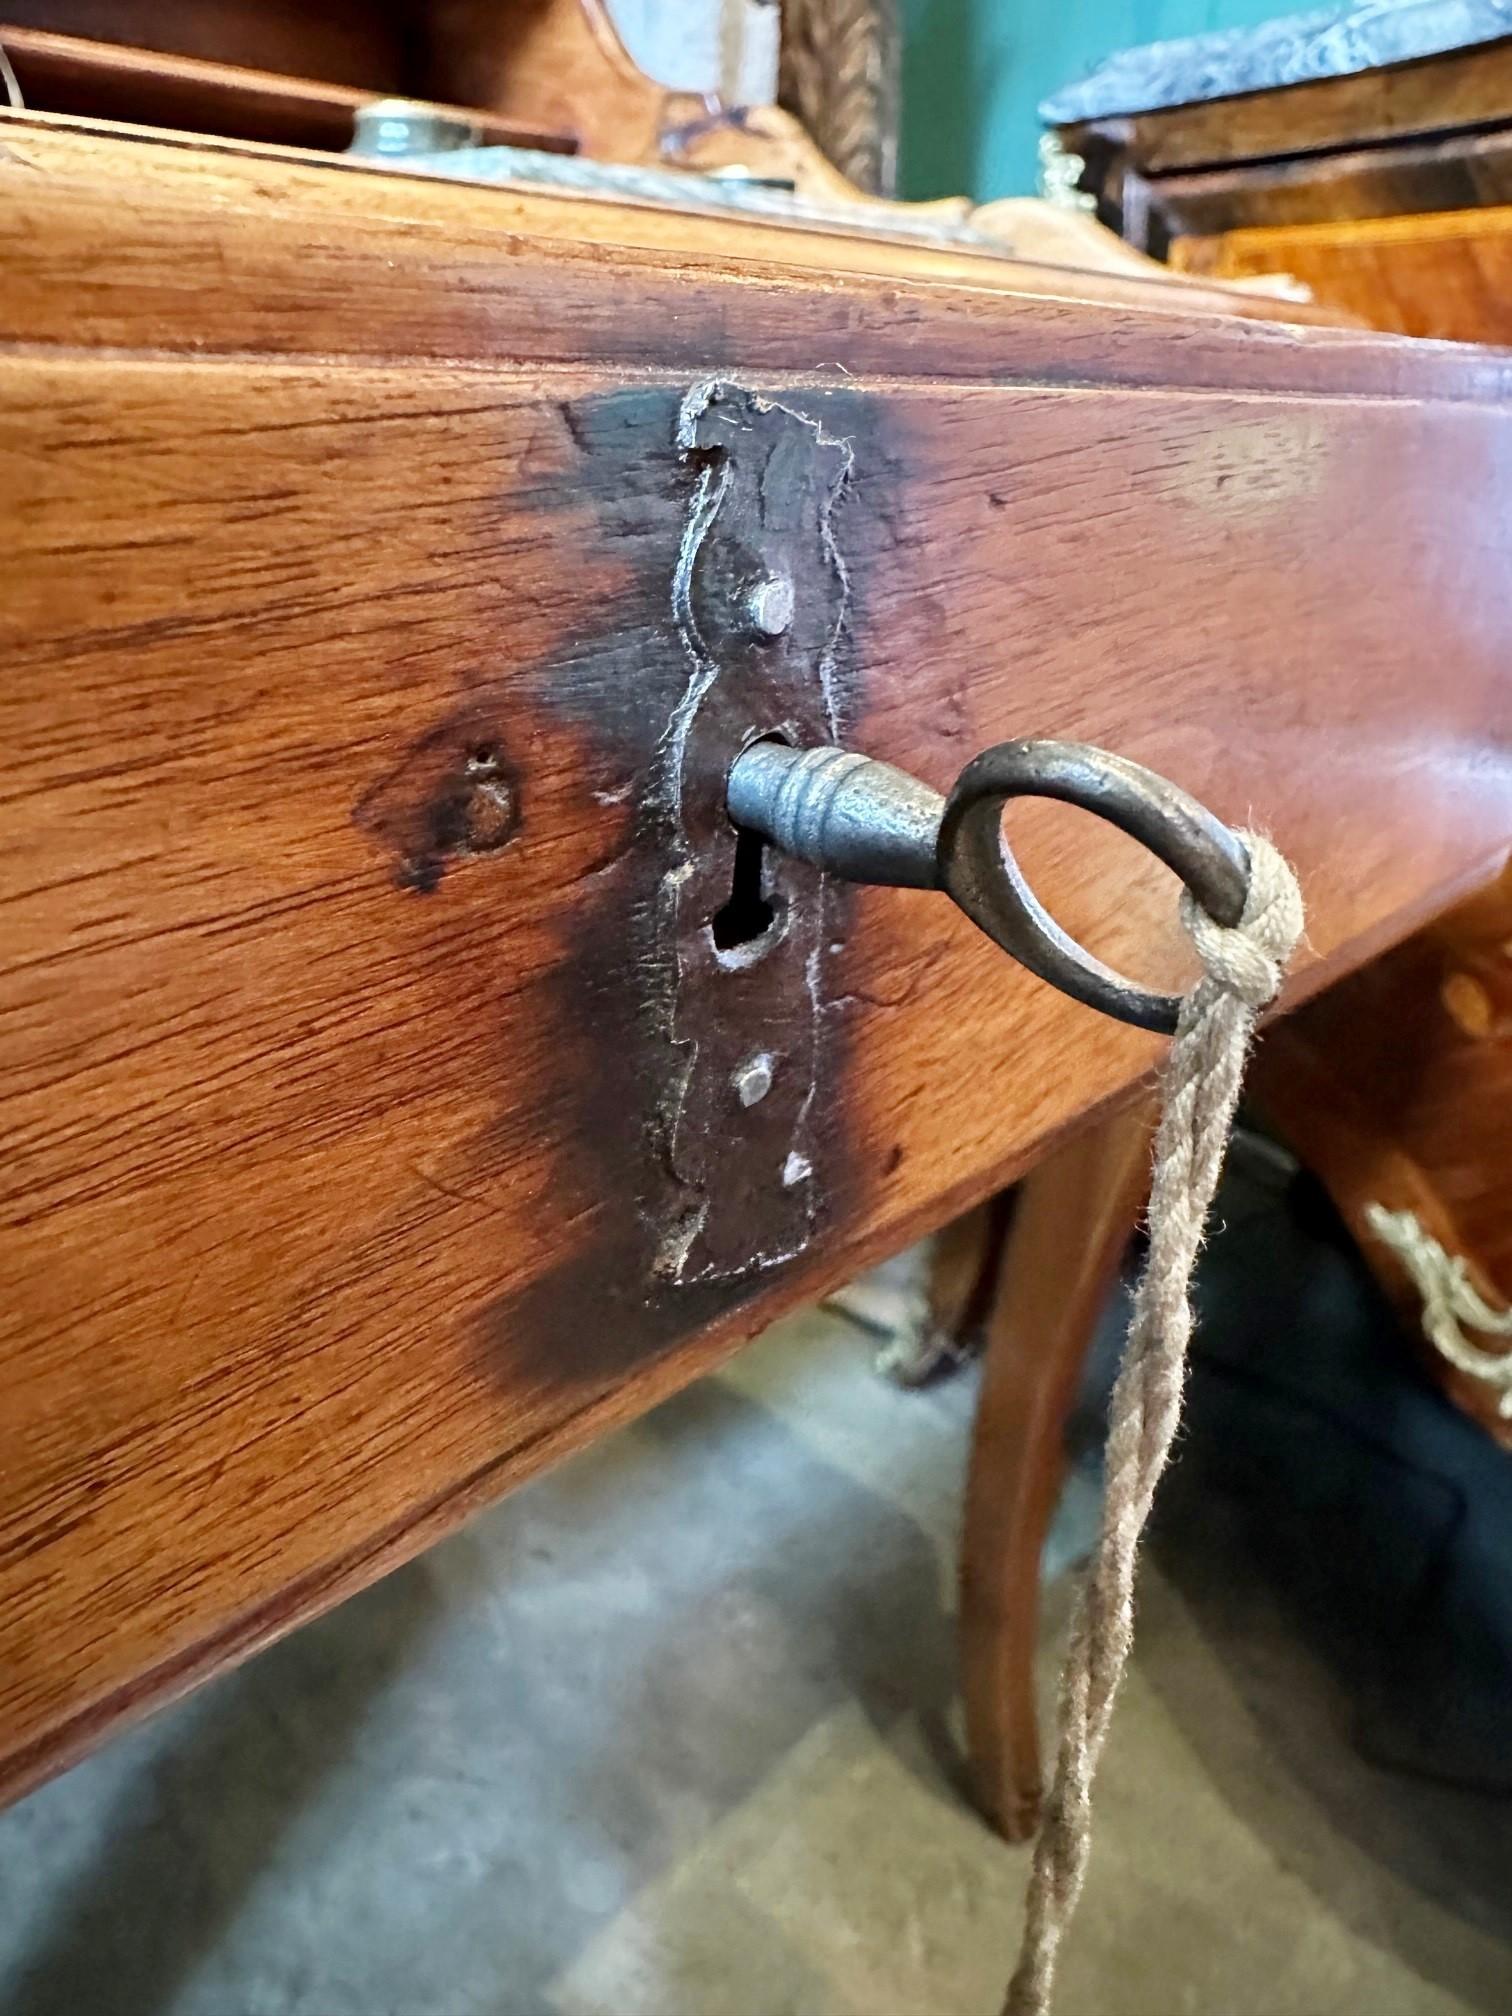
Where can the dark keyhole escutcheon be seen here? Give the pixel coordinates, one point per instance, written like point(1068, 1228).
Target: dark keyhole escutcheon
point(759, 593)
point(745, 919)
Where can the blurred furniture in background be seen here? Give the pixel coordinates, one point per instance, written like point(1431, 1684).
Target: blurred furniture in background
point(840, 77)
point(1395, 1089)
point(1367, 152)
point(423, 77)
point(538, 73)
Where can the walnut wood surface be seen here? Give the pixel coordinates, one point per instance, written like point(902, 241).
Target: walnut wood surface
point(331, 499)
point(1446, 275)
point(180, 188)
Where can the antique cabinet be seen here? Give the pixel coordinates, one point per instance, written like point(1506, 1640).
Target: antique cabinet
point(1366, 152)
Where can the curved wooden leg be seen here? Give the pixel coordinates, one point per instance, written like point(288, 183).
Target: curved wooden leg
point(1074, 1217)
point(946, 1326)
point(963, 1269)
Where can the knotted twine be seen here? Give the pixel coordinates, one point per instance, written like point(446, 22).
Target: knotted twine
point(1199, 1091)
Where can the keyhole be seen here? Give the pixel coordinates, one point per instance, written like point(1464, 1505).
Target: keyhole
point(748, 915)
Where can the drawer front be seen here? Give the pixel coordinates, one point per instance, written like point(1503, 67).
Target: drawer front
point(333, 1027)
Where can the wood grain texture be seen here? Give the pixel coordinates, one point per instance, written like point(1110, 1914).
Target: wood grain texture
point(323, 1081)
point(1445, 275)
point(554, 308)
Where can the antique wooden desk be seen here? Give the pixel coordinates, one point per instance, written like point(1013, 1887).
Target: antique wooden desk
point(343, 512)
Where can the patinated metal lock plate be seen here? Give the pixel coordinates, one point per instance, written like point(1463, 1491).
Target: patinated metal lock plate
point(760, 597)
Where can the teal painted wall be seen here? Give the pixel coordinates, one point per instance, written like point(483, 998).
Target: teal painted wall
point(974, 71)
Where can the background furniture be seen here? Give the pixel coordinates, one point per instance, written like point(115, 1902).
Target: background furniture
point(1367, 153)
point(841, 76)
point(537, 73)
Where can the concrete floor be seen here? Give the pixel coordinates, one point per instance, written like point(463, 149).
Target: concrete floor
point(675, 1731)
